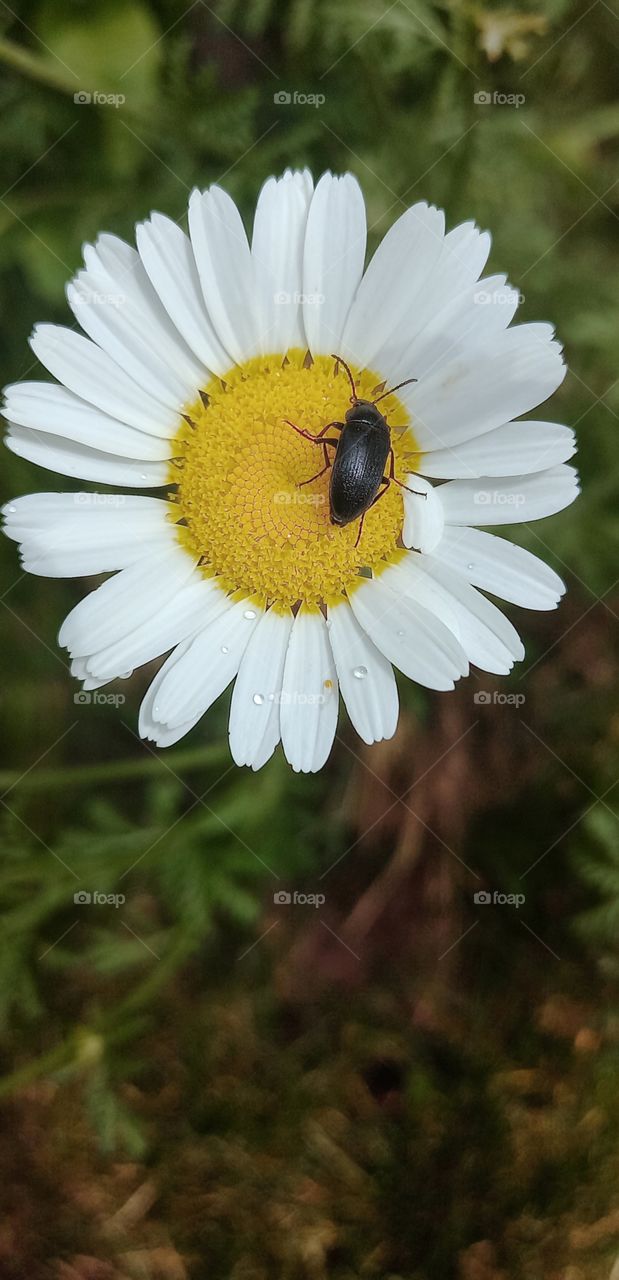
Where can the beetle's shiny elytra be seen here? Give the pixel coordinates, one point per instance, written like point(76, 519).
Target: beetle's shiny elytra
point(357, 477)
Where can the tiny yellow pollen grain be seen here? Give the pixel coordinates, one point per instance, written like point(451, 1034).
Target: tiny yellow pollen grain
point(241, 504)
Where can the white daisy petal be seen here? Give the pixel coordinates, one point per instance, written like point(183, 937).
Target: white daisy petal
point(125, 601)
point(470, 395)
point(309, 695)
point(125, 272)
point(116, 257)
point(511, 501)
point(517, 448)
point(462, 259)
point(366, 678)
point(393, 283)
point(51, 409)
point(85, 533)
point(475, 608)
point(118, 308)
point(406, 579)
point(424, 519)
point(147, 726)
point(496, 302)
point(497, 566)
point(78, 669)
point(128, 338)
point(465, 256)
point(198, 602)
point(411, 637)
point(486, 635)
point(206, 669)
point(226, 271)
point(90, 373)
point(70, 459)
point(468, 322)
point(83, 562)
point(169, 737)
point(169, 260)
point(333, 260)
point(257, 694)
point(40, 511)
point(277, 254)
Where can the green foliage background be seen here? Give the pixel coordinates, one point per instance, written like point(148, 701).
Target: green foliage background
point(194, 1084)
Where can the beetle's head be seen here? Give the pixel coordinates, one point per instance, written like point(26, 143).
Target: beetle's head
point(364, 411)
point(358, 409)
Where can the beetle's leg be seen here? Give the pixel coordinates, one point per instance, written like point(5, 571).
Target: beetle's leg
point(307, 435)
point(327, 459)
point(380, 495)
point(392, 476)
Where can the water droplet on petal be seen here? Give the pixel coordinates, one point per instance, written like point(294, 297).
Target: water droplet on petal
point(258, 698)
point(360, 673)
point(12, 510)
point(399, 634)
point(224, 648)
point(471, 565)
point(249, 614)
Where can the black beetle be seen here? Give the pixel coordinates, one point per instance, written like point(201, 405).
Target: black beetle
point(358, 477)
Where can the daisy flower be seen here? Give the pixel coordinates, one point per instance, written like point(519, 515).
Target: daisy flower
point(200, 355)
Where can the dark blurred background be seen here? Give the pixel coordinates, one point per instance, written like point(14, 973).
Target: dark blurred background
point(401, 1082)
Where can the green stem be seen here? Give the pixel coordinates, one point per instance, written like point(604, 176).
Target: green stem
point(40, 69)
point(85, 775)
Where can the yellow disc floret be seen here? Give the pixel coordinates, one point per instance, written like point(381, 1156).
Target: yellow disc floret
point(238, 468)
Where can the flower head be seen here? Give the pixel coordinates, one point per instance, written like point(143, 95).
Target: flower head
point(221, 373)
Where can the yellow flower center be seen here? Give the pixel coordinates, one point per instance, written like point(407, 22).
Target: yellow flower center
point(239, 471)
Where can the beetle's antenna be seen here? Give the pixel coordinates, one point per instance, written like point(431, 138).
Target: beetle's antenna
point(396, 388)
point(338, 362)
